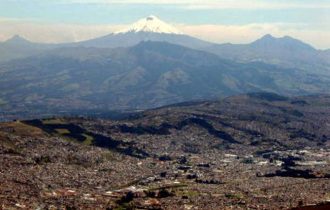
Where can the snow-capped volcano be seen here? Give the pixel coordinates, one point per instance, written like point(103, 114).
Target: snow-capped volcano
point(150, 24)
point(150, 28)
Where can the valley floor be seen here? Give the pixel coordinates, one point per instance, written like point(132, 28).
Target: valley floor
point(181, 160)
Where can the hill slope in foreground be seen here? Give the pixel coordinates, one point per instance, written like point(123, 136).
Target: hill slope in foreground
point(257, 151)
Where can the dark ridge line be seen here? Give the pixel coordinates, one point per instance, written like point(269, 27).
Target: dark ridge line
point(222, 122)
point(203, 123)
point(98, 140)
point(164, 128)
point(297, 173)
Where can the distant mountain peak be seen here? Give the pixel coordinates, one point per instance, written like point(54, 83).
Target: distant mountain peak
point(268, 36)
point(17, 39)
point(151, 18)
point(285, 41)
point(150, 24)
point(271, 37)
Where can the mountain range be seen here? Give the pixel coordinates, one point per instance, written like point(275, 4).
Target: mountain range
point(152, 64)
point(285, 52)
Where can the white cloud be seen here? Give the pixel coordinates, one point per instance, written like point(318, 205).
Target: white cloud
point(257, 4)
point(216, 4)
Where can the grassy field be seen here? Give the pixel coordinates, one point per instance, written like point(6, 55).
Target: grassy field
point(62, 131)
point(88, 140)
point(53, 121)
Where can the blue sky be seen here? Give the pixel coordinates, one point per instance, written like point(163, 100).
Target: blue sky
point(308, 20)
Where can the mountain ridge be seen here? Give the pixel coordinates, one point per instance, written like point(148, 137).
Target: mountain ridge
point(285, 51)
point(147, 75)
